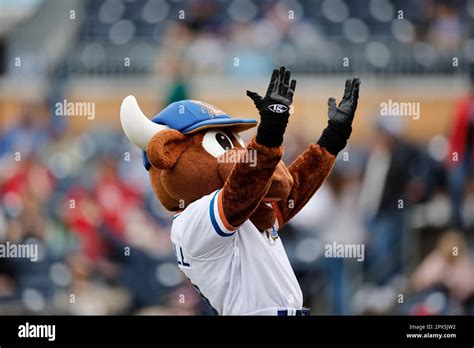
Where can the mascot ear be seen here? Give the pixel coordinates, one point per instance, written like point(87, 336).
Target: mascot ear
point(165, 148)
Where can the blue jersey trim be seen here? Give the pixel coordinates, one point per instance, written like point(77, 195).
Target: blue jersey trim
point(214, 221)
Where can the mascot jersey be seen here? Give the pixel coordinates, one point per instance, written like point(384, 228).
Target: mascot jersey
point(238, 272)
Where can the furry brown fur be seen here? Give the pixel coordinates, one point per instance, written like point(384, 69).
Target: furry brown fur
point(182, 172)
point(308, 172)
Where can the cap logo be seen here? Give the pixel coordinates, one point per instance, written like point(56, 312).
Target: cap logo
point(211, 110)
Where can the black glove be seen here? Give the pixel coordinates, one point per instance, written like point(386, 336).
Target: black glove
point(336, 134)
point(274, 109)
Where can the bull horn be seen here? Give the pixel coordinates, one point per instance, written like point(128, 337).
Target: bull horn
point(137, 127)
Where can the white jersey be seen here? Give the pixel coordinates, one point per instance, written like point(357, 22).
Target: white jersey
point(239, 272)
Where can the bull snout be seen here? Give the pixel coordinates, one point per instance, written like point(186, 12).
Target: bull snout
point(282, 181)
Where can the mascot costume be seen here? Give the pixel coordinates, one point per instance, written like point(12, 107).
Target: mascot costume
point(230, 198)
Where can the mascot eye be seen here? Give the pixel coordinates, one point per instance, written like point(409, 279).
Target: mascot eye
point(216, 143)
point(239, 139)
point(224, 141)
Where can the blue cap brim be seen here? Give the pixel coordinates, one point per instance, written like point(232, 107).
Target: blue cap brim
point(239, 125)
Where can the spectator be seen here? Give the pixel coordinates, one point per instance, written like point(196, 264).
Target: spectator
point(461, 154)
point(450, 266)
point(387, 191)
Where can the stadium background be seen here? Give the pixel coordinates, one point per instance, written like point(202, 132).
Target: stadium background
point(75, 186)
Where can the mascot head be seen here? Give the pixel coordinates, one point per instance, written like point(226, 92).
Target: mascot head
point(189, 150)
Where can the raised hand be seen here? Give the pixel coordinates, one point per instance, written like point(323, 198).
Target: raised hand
point(279, 91)
point(336, 134)
point(274, 108)
point(344, 112)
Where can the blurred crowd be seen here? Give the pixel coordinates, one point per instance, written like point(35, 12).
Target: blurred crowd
point(310, 35)
point(313, 36)
point(104, 238)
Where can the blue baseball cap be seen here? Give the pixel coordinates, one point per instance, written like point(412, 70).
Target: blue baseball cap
point(190, 116)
